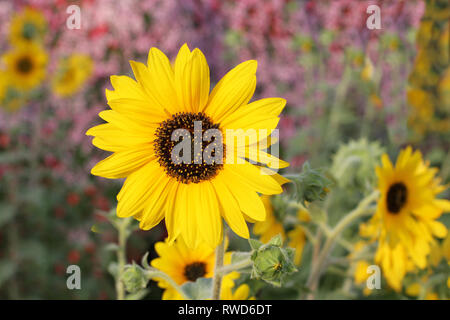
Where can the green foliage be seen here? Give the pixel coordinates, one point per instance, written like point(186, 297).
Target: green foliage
point(198, 290)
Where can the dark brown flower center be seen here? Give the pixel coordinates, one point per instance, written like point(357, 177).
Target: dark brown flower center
point(396, 197)
point(24, 65)
point(194, 271)
point(198, 168)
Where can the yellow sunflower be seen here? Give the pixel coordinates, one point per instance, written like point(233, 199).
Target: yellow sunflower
point(27, 26)
point(193, 197)
point(183, 264)
point(71, 74)
point(405, 221)
point(25, 66)
point(271, 226)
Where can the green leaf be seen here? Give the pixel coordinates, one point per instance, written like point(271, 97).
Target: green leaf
point(7, 213)
point(255, 244)
point(137, 295)
point(238, 256)
point(7, 269)
point(198, 290)
point(276, 241)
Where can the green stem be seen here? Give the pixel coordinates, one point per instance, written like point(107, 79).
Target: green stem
point(234, 267)
point(217, 279)
point(358, 212)
point(121, 258)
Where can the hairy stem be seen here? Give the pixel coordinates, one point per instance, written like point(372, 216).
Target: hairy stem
point(317, 267)
point(217, 279)
point(234, 267)
point(121, 258)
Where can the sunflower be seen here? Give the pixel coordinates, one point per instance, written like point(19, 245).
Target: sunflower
point(71, 74)
point(183, 264)
point(27, 26)
point(26, 66)
point(405, 221)
point(192, 197)
point(271, 226)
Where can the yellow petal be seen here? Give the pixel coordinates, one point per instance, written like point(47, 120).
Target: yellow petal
point(256, 111)
point(192, 82)
point(141, 186)
point(121, 164)
point(138, 110)
point(162, 78)
point(249, 201)
point(230, 209)
point(125, 88)
point(234, 90)
point(172, 224)
point(253, 177)
point(210, 222)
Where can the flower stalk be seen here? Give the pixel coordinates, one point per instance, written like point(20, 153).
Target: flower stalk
point(217, 279)
point(318, 264)
point(123, 233)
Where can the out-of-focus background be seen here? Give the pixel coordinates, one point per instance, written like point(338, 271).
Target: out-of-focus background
point(341, 81)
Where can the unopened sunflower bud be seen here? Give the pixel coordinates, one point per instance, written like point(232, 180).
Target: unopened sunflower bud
point(271, 262)
point(134, 278)
point(311, 184)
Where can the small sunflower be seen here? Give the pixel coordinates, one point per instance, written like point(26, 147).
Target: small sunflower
point(192, 197)
point(71, 74)
point(183, 264)
point(405, 221)
point(27, 26)
point(297, 236)
point(25, 66)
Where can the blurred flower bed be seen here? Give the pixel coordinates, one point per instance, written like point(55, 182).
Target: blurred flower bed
point(342, 82)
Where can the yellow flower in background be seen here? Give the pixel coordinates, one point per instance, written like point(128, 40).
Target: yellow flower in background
point(297, 236)
point(71, 74)
point(444, 88)
point(192, 197)
point(367, 72)
point(270, 227)
point(273, 226)
point(405, 221)
point(3, 85)
point(183, 264)
point(25, 66)
point(439, 252)
point(376, 100)
point(27, 26)
point(360, 274)
point(420, 289)
point(241, 293)
point(427, 95)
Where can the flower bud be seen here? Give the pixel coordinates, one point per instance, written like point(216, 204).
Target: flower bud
point(271, 262)
point(134, 278)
